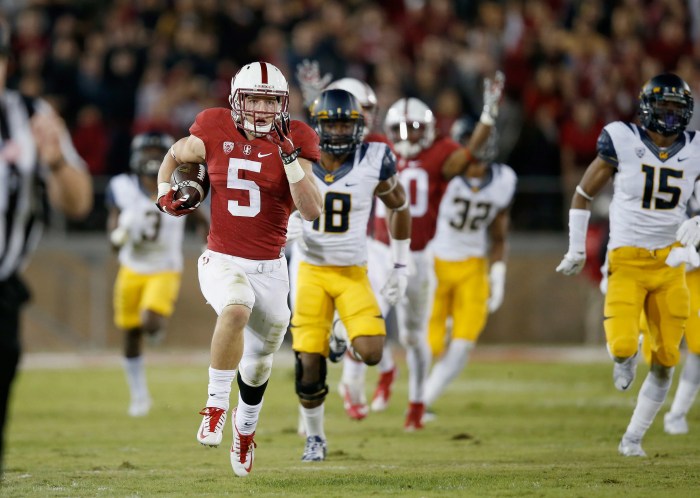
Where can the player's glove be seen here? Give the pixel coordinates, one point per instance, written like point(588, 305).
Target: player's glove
point(168, 204)
point(395, 287)
point(493, 89)
point(310, 81)
point(572, 264)
point(685, 254)
point(497, 283)
point(280, 136)
point(688, 233)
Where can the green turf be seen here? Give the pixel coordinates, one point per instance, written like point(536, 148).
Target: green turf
point(504, 429)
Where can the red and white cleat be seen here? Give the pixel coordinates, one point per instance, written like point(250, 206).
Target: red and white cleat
point(414, 417)
point(380, 400)
point(211, 430)
point(242, 451)
point(354, 400)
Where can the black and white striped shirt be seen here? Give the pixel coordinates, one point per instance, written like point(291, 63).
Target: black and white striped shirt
point(23, 200)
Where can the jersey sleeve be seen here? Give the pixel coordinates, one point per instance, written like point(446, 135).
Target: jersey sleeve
point(606, 148)
point(304, 137)
point(201, 125)
point(388, 168)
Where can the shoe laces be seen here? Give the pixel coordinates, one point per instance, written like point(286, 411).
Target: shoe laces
point(213, 417)
point(241, 444)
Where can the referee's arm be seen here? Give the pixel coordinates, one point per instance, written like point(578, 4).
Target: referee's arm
point(69, 185)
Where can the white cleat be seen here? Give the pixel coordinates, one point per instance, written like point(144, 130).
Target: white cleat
point(139, 407)
point(354, 400)
point(631, 447)
point(211, 430)
point(315, 449)
point(242, 451)
point(624, 372)
point(675, 424)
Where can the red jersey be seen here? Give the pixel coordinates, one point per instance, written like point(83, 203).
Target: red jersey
point(422, 179)
point(250, 196)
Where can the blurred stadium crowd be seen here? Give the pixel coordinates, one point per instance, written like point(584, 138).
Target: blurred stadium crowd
point(114, 68)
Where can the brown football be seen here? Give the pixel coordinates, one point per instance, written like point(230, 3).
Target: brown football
point(191, 179)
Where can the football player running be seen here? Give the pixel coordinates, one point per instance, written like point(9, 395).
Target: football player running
point(351, 386)
point(332, 275)
point(259, 167)
point(469, 252)
point(655, 167)
point(425, 164)
point(150, 258)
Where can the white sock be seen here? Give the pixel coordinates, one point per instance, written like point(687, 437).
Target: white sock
point(353, 371)
point(136, 377)
point(313, 420)
point(651, 397)
point(445, 370)
point(687, 387)
point(386, 364)
point(247, 416)
point(418, 363)
point(219, 388)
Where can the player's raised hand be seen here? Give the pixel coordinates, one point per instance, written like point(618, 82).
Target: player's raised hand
point(493, 90)
point(688, 233)
point(310, 80)
point(572, 263)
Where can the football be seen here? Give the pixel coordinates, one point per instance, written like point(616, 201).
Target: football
point(191, 179)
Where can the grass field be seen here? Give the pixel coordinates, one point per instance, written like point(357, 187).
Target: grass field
point(505, 428)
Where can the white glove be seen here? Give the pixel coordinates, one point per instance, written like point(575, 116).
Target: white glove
point(572, 264)
point(686, 254)
point(497, 284)
point(395, 287)
point(493, 89)
point(310, 81)
point(127, 228)
point(688, 233)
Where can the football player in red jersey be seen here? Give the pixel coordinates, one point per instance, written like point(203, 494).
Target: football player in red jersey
point(425, 164)
point(259, 167)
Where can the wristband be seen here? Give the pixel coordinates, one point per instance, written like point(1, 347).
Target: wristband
point(486, 118)
point(578, 225)
point(163, 188)
point(400, 251)
point(295, 173)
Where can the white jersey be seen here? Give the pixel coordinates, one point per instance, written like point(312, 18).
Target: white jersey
point(467, 210)
point(652, 185)
point(339, 236)
point(155, 238)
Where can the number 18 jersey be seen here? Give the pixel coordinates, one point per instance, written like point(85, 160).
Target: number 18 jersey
point(652, 185)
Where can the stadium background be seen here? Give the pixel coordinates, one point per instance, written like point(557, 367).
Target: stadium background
point(115, 68)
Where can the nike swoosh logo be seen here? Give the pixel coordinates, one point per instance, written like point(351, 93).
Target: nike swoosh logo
point(264, 155)
point(350, 184)
point(682, 159)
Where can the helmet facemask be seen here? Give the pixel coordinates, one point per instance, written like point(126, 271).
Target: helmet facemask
point(665, 105)
point(410, 125)
point(258, 122)
point(340, 136)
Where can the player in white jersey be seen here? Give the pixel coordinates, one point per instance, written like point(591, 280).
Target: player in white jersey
point(472, 230)
point(332, 274)
point(655, 167)
point(150, 259)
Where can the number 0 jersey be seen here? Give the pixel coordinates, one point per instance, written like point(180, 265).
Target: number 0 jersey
point(339, 236)
point(155, 238)
point(652, 185)
point(466, 211)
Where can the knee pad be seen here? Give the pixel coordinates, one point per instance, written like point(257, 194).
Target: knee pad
point(315, 391)
point(255, 369)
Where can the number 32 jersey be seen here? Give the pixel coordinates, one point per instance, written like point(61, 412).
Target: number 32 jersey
point(652, 185)
point(467, 210)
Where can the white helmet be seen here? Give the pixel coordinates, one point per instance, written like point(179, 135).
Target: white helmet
point(405, 115)
point(258, 78)
point(364, 94)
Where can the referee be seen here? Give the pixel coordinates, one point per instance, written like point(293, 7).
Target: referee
point(39, 169)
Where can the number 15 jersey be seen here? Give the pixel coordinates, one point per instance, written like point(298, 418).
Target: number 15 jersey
point(652, 185)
